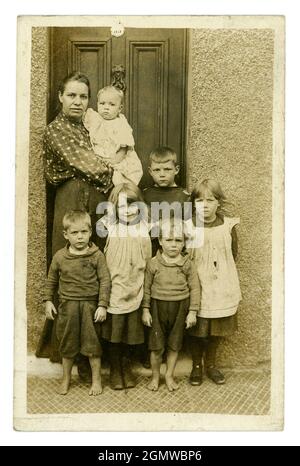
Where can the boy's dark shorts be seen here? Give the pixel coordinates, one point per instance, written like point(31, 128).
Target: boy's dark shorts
point(76, 330)
point(168, 324)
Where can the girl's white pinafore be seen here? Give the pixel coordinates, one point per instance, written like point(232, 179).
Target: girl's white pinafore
point(220, 288)
point(126, 253)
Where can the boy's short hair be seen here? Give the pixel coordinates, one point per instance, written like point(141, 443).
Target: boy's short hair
point(163, 154)
point(74, 216)
point(111, 88)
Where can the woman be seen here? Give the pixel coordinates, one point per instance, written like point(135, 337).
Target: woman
point(82, 181)
point(70, 164)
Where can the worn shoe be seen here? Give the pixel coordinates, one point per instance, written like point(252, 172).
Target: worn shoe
point(128, 377)
point(196, 375)
point(215, 375)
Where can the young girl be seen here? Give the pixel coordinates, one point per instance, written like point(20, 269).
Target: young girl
point(127, 249)
point(220, 289)
point(111, 136)
point(171, 300)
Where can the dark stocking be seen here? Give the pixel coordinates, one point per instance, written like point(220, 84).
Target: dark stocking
point(115, 378)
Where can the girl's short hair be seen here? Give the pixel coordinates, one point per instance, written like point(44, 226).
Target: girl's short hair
point(214, 187)
point(74, 76)
point(119, 92)
point(132, 192)
point(74, 216)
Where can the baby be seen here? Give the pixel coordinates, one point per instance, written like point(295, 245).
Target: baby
point(111, 136)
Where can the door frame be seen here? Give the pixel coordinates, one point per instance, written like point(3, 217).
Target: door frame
point(185, 95)
point(50, 191)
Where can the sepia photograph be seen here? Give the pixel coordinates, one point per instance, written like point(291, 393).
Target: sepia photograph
point(149, 223)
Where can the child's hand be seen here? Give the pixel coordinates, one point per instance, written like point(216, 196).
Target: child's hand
point(120, 154)
point(146, 317)
point(100, 314)
point(50, 310)
point(191, 319)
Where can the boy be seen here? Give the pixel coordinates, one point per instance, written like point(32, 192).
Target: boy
point(79, 271)
point(111, 136)
point(165, 194)
point(171, 300)
point(163, 168)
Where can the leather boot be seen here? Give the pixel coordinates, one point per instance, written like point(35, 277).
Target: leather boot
point(196, 374)
point(197, 348)
point(210, 362)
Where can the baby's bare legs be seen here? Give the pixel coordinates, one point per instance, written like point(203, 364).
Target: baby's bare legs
point(155, 360)
point(67, 364)
point(96, 388)
point(171, 363)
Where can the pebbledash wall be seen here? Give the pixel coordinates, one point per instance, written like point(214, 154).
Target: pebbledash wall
point(230, 103)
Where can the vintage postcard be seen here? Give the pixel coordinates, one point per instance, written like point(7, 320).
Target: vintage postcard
point(130, 332)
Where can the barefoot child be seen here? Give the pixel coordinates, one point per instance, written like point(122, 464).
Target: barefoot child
point(171, 301)
point(220, 289)
point(80, 273)
point(127, 249)
point(111, 136)
point(160, 198)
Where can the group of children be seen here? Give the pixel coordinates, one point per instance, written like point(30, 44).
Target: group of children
point(170, 274)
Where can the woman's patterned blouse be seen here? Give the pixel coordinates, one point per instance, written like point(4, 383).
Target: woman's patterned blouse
point(68, 154)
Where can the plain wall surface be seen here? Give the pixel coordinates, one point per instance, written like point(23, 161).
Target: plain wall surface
point(230, 138)
point(230, 104)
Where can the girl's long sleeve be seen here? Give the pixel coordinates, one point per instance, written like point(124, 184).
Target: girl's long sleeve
point(149, 275)
point(194, 287)
point(104, 280)
point(234, 243)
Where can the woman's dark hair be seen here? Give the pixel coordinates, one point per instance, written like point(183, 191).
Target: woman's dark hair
point(74, 76)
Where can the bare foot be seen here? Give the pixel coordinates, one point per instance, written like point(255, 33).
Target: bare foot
point(96, 389)
point(171, 384)
point(64, 387)
point(153, 385)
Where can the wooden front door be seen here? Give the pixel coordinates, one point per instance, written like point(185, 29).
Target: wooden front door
point(155, 77)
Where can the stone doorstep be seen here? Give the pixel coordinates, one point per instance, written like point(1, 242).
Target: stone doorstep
point(42, 367)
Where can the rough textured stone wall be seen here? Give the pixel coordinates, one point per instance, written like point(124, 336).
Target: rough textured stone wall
point(230, 138)
point(36, 272)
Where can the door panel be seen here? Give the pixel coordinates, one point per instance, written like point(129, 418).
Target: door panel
point(148, 99)
point(85, 49)
point(155, 65)
point(94, 59)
